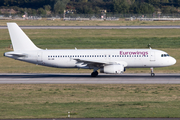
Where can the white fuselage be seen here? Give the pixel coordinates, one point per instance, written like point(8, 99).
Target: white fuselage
point(133, 58)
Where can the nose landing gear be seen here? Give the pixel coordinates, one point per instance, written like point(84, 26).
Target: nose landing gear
point(152, 74)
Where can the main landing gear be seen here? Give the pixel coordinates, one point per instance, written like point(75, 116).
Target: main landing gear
point(152, 74)
point(94, 74)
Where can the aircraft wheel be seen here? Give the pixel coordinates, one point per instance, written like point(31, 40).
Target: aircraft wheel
point(94, 74)
point(152, 74)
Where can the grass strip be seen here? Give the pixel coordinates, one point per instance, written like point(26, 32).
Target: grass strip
point(84, 101)
point(121, 22)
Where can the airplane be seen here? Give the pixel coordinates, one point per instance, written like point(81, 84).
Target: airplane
point(109, 61)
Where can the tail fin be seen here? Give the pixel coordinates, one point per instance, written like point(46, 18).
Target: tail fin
point(19, 39)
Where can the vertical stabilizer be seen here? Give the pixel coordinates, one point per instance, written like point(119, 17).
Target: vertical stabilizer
point(19, 39)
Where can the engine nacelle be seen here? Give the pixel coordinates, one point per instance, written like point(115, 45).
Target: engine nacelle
point(112, 69)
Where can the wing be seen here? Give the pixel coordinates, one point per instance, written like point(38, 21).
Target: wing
point(98, 63)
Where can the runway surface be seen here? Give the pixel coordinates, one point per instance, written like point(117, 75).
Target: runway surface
point(96, 27)
point(85, 78)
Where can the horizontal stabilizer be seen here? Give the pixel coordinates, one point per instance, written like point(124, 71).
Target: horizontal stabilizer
point(13, 54)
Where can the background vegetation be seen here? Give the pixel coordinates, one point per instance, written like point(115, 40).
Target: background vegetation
point(43, 7)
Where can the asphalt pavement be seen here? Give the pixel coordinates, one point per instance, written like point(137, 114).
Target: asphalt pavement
point(85, 78)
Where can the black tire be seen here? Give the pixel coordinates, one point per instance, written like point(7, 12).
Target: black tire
point(94, 74)
point(152, 74)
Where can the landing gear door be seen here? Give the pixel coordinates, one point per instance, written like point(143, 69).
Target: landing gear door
point(152, 56)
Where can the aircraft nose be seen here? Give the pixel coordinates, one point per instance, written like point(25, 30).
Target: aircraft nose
point(173, 61)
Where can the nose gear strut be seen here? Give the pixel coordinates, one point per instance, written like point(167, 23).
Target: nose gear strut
point(152, 74)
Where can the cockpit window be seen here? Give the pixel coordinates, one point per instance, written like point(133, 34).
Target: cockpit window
point(164, 55)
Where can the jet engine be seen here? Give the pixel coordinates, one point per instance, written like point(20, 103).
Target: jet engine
point(112, 69)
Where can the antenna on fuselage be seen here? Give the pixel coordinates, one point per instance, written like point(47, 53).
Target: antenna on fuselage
point(149, 46)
